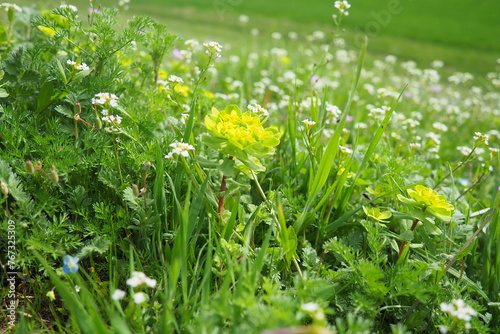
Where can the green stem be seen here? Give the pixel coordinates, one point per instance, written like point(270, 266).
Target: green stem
point(115, 149)
point(273, 214)
point(467, 158)
point(403, 244)
point(222, 190)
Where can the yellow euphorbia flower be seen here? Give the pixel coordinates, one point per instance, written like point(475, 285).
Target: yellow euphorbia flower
point(377, 214)
point(241, 135)
point(431, 201)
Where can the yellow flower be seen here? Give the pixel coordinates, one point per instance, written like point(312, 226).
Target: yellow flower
point(377, 214)
point(181, 90)
point(285, 60)
point(51, 295)
point(430, 201)
point(47, 31)
point(241, 135)
point(379, 190)
point(209, 94)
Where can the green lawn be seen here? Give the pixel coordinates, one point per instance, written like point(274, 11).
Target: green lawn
point(463, 34)
point(454, 23)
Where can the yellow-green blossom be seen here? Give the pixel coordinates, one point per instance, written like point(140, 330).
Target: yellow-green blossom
point(377, 214)
point(51, 295)
point(241, 135)
point(431, 201)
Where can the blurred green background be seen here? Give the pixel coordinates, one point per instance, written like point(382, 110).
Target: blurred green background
point(465, 34)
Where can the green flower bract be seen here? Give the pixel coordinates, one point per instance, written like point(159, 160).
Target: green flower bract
point(434, 204)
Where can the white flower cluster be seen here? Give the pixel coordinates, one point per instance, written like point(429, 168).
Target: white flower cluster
point(379, 113)
point(103, 98)
point(139, 297)
point(342, 6)
point(124, 3)
point(79, 67)
point(459, 310)
point(481, 138)
point(114, 120)
point(139, 278)
point(10, 6)
point(460, 78)
point(213, 48)
point(70, 7)
point(314, 310)
point(191, 43)
point(180, 148)
point(308, 122)
point(258, 109)
point(175, 79)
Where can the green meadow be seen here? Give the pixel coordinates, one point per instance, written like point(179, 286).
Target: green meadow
point(463, 34)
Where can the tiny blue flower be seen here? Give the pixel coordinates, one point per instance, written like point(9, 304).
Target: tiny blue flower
point(70, 264)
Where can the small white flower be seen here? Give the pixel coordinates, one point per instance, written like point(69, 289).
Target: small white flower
point(345, 150)
point(459, 310)
point(79, 67)
point(333, 109)
point(310, 307)
point(114, 120)
point(103, 98)
point(443, 329)
point(243, 19)
point(308, 122)
point(82, 67)
point(175, 79)
point(10, 6)
point(139, 278)
point(464, 150)
point(139, 297)
point(70, 7)
point(191, 43)
point(478, 136)
point(439, 126)
point(276, 35)
point(118, 294)
point(180, 148)
point(213, 48)
point(415, 145)
point(258, 109)
point(460, 78)
point(437, 64)
point(342, 6)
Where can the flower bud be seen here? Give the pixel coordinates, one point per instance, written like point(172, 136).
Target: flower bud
point(135, 189)
point(147, 165)
point(5, 188)
point(53, 174)
point(30, 167)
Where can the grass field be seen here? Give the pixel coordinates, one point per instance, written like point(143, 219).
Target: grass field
point(464, 35)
